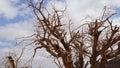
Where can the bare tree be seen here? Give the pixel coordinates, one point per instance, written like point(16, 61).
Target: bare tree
point(95, 40)
point(13, 60)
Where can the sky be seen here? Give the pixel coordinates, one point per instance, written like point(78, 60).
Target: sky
point(17, 20)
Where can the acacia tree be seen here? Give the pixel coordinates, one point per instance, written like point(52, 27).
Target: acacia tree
point(95, 40)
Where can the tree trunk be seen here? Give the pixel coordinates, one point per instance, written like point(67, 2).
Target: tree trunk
point(12, 64)
point(80, 62)
point(93, 61)
point(67, 61)
point(103, 63)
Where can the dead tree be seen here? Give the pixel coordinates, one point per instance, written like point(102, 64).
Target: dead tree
point(104, 37)
point(94, 40)
point(14, 60)
point(11, 61)
point(51, 35)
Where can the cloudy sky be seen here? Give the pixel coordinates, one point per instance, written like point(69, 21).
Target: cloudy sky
point(17, 20)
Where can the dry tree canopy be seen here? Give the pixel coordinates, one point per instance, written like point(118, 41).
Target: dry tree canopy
point(88, 45)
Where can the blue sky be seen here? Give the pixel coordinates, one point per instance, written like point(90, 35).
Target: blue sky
point(16, 19)
point(20, 16)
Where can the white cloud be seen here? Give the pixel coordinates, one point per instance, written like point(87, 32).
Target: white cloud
point(115, 3)
point(79, 10)
point(42, 59)
point(5, 44)
point(23, 10)
point(7, 9)
point(16, 30)
point(14, 0)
